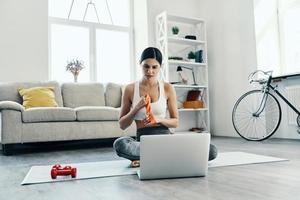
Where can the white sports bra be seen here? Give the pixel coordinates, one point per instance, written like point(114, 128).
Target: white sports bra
point(159, 107)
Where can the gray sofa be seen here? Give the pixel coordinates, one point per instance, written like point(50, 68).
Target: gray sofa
point(86, 111)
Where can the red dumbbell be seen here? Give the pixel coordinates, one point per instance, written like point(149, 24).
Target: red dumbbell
point(58, 170)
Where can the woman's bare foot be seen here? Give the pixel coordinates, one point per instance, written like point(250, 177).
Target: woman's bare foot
point(135, 163)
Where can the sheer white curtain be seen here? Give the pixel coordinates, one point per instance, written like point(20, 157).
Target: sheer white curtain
point(277, 29)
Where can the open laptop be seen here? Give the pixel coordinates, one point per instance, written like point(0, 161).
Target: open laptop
point(172, 156)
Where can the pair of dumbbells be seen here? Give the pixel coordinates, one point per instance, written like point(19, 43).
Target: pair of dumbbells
point(58, 170)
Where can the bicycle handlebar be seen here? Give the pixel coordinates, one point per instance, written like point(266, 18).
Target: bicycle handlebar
point(252, 79)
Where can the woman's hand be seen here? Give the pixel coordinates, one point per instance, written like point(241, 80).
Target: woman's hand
point(141, 103)
point(150, 120)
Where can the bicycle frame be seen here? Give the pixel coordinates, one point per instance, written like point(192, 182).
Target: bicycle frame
point(264, 99)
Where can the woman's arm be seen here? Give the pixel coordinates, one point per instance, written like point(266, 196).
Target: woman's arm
point(172, 122)
point(127, 114)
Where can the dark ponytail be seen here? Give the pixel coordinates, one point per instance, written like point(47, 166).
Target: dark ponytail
point(151, 52)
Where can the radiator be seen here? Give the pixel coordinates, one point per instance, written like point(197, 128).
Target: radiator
point(293, 95)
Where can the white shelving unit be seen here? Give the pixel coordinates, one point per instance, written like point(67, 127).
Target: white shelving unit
point(178, 46)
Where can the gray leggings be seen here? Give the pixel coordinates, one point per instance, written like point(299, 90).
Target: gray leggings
point(129, 148)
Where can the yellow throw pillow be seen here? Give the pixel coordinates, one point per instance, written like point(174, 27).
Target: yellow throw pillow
point(38, 97)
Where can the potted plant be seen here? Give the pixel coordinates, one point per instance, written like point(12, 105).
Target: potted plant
point(191, 56)
point(175, 30)
point(75, 66)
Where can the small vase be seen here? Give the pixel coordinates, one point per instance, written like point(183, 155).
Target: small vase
point(75, 78)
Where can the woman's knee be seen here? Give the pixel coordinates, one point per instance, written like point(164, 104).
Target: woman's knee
point(120, 143)
point(127, 147)
point(213, 152)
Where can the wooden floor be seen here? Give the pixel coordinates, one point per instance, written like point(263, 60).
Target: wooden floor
point(280, 180)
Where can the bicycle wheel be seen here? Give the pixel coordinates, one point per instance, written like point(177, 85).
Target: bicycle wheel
point(256, 127)
point(298, 120)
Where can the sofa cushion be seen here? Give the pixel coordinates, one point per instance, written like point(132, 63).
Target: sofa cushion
point(97, 113)
point(48, 114)
point(83, 94)
point(113, 95)
point(38, 97)
point(10, 91)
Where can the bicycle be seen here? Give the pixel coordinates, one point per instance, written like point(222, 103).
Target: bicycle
point(257, 114)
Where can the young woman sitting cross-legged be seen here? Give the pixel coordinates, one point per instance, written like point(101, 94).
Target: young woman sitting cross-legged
point(146, 102)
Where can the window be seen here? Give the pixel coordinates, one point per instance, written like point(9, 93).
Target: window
point(113, 59)
point(277, 29)
point(98, 32)
point(69, 42)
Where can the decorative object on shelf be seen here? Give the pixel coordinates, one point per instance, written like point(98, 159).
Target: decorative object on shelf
point(179, 70)
point(197, 129)
point(175, 30)
point(199, 56)
point(182, 80)
point(193, 104)
point(191, 56)
point(193, 95)
point(75, 66)
point(193, 100)
point(176, 82)
point(190, 37)
point(175, 58)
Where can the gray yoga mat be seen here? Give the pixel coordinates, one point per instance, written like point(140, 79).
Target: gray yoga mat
point(41, 174)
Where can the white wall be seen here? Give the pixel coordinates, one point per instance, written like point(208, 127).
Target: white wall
point(140, 32)
point(231, 56)
point(23, 40)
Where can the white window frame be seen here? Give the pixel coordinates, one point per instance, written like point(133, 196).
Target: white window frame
point(282, 65)
point(280, 15)
point(92, 27)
